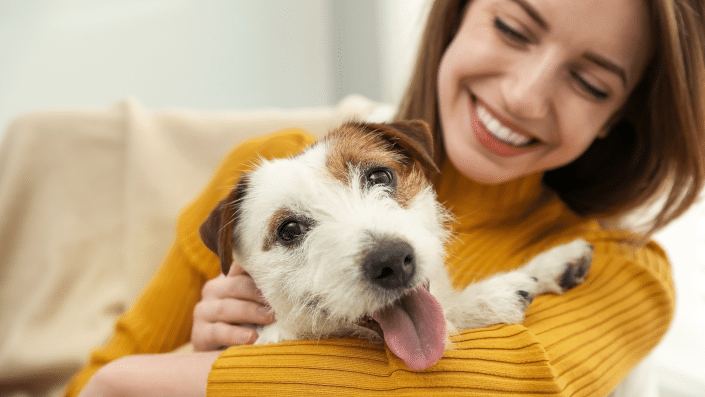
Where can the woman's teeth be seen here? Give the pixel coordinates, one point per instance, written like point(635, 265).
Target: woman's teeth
point(500, 132)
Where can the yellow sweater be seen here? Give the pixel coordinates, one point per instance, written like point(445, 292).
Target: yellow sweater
point(581, 343)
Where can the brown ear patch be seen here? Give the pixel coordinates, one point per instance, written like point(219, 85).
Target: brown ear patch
point(416, 138)
point(218, 230)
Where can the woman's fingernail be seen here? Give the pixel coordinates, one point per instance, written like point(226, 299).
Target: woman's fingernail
point(250, 337)
point(266, 311)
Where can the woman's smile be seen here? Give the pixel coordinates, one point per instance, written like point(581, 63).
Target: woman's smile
point(495, 135)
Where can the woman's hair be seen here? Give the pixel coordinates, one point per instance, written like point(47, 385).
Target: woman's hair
point(654, 154)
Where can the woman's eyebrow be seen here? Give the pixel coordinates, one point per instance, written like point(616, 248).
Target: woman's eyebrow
point(592, 57)
point(607, 64)
point(533, 13)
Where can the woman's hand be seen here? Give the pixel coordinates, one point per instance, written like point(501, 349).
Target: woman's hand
point(229, 307)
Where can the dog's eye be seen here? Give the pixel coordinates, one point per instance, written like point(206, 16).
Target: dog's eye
point(380, 176)
point(290, 230)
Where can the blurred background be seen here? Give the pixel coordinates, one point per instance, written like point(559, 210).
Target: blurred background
point(243, 54)
point(215, 54)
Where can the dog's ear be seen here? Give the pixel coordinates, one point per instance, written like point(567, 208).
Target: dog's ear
point(217, 231)
point(415, 138)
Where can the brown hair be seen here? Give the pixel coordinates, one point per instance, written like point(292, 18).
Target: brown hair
point(656, 151)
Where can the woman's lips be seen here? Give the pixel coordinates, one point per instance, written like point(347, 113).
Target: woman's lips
point(495, 136)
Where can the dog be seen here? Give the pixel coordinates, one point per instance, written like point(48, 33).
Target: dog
point(347, 239)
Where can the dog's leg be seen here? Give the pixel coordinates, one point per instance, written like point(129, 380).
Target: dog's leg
point(503, 298)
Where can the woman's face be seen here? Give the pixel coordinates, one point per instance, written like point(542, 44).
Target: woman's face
point(527, 85)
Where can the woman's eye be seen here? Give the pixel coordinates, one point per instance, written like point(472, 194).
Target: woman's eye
point(510, 33)
point(589, 88)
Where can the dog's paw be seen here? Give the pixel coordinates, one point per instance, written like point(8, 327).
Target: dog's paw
point(561, 268)
point(502, 298)
point(273, 334)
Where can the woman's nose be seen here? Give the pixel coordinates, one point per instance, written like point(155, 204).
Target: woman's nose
point(527, 88)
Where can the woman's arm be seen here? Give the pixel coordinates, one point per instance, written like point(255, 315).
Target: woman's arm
point(153, 375)
point(596, 335)
point(159, 321)
point(580, 343)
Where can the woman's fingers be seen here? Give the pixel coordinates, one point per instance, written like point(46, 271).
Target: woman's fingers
point(233, 311)
point(236, 286)
point(228, 309)
point(213, 336)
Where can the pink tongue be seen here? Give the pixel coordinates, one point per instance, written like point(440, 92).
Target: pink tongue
point(414, 329)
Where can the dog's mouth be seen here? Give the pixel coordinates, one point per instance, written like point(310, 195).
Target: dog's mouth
point(370, 323)
point(413, 327)
point(367, 321)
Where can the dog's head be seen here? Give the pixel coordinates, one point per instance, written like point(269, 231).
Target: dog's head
point(346, 233)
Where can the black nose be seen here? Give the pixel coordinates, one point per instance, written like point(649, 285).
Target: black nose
point(390, 263)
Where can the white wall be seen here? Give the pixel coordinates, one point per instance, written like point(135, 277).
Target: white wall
point(402, 25)
point(199, 54)
point(212, 54)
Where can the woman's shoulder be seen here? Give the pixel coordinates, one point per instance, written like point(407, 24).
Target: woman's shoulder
point(276, 144)
point(245, 155)
point(616, 245)
point(562, 224)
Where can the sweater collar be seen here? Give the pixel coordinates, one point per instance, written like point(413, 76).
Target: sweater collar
point(505, 202)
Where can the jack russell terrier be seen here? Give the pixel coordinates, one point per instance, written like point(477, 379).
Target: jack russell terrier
point(347, 238)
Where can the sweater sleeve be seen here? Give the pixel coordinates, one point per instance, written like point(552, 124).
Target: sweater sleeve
point(160, 319)
point(581, 343)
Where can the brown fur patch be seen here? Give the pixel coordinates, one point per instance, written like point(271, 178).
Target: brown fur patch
point(410, 184)
point(272, 227)
point(353, 146)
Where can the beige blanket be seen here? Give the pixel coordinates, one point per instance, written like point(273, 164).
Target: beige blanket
point(88, 200)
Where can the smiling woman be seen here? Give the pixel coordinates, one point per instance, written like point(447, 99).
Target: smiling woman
point(553, 79)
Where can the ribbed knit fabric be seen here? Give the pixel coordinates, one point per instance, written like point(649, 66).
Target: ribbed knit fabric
point(581, 343)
